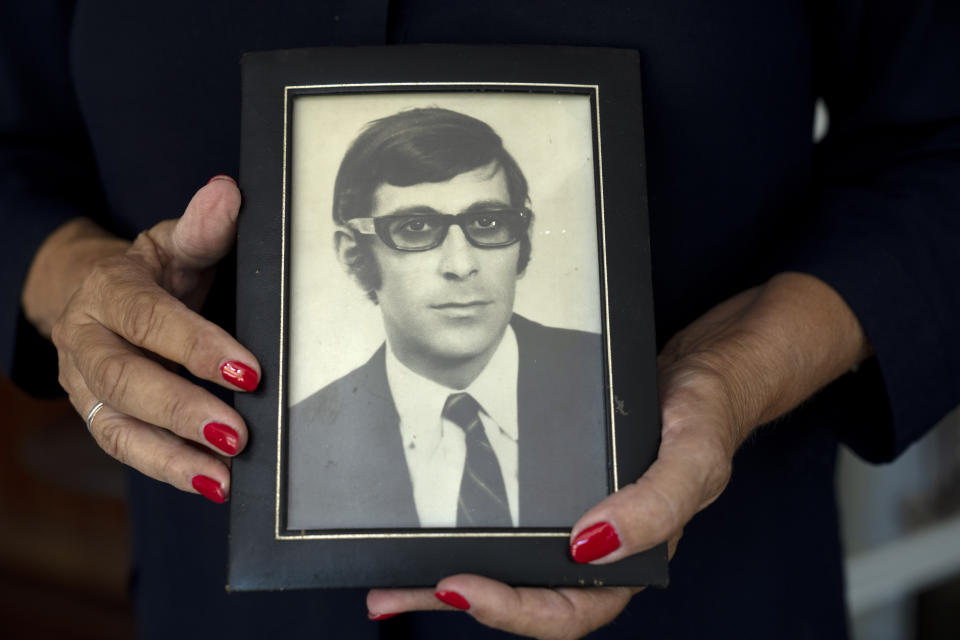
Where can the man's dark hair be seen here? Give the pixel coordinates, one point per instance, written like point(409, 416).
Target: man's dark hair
point(412, 147)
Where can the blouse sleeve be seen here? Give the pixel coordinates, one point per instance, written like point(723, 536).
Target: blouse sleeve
point(886, 230)
point(47, 172)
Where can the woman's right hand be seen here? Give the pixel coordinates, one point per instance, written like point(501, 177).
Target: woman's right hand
point(120, 314)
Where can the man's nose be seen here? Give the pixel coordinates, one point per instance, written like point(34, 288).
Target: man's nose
point(458, 258)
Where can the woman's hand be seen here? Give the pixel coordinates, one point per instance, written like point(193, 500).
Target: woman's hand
point(122, 316)
point(744, 363)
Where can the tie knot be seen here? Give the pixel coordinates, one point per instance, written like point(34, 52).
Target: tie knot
point(462, 410)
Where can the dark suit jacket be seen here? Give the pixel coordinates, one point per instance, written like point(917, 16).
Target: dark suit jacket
point(346, 462)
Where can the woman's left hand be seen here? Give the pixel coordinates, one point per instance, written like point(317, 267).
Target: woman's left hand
point(637, 517)
point(691, 469)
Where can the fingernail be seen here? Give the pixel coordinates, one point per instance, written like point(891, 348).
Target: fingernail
point(221, 176)
point(594, 542)
point(222, 437)
point(453, 599)
point(381, 616)
point(239, 374)
point(209, 488)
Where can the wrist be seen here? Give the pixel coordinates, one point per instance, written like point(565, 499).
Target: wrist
point(766, 350)
point(810, 337)
point(60, 265)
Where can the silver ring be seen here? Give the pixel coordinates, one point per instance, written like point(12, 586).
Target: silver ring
point(93, 413)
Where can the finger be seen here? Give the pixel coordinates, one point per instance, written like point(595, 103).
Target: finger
point(124, 379)
point(388, 602)
point(180, 253)
point(161, 455)
point(540, 613)
point(123, 292)
point(207, 230)
point(534, 612)
point(122, 297)
point(132, 294)
point(689, 473)
point(152, 451)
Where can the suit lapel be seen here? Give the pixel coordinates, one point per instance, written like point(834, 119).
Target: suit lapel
point(560, 417)
point(536, 449)
point(386, 462)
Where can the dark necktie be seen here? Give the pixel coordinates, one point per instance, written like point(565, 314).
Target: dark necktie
point(483, 497)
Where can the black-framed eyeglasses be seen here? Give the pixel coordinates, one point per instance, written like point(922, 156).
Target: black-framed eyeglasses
point(483, 228)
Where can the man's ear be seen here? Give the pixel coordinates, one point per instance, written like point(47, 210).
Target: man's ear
point(357, 262)
point(345, 244)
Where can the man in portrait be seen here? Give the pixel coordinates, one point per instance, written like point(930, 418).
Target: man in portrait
point(469, 415)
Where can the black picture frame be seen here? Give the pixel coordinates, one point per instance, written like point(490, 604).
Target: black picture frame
point(263, 553)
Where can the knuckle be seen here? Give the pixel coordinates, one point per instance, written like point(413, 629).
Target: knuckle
point(62, 380)
point(140, 318)
point(167, 466)
point(111, 279)
point(57, 332)
point(148, 249)
point(114, 439)
point(63, 332)
point(110, 377)
point(97, 279)
point(177, 409)
point(199, 351)
point(103, 275)
point(144, 240)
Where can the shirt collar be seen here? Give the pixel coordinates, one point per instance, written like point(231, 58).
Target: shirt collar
point(496, 386)
point(420, 401)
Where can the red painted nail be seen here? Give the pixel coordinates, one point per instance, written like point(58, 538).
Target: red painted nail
point(239, 374)
point(209, 489)
point(453, 599)
point(222, 437)
point(221, 176)
point(382, 616)
point(594, 542)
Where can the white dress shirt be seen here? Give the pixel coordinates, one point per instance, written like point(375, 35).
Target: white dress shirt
point(435, 448)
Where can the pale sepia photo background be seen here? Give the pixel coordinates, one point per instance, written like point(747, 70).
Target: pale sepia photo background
point(333, 327)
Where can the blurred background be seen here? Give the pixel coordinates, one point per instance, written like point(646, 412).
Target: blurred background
point(64, 547)
point(901, 532)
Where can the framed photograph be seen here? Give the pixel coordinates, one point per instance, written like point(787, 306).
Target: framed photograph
point(443, 266)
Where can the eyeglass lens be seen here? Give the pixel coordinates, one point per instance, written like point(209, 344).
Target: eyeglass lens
point(483, 228)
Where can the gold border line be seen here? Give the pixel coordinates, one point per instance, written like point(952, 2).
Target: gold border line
point(440, 84)
point(283, 276)
point(560, 533)
point(606, 303)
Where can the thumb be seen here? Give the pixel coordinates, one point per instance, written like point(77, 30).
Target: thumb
point(687, 475)
point(206, 231)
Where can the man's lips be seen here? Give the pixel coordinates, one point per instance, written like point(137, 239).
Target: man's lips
point(461, 305)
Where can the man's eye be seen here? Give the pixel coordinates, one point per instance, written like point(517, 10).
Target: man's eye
point(487, 222)
point(416, 226)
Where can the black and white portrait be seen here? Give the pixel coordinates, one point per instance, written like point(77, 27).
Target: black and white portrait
point(445, 362)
